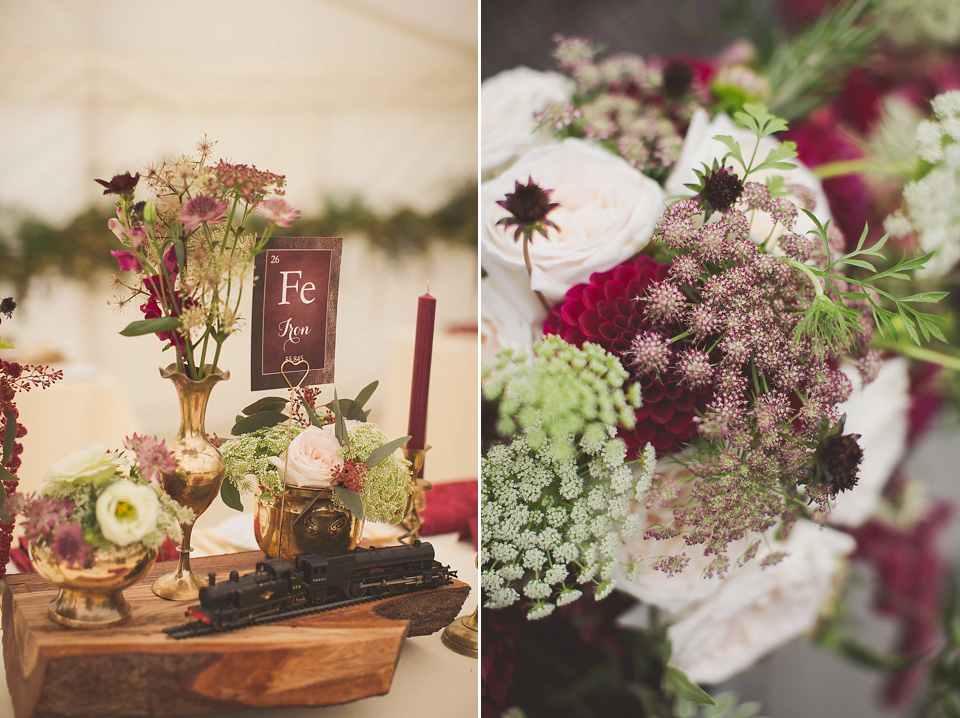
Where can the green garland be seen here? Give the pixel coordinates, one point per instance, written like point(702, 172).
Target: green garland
point(81, 249)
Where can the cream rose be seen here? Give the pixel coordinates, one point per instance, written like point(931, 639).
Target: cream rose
point(90, 463)
point(756, 610)
point(311, 459)
point(508, 102)
point(510, 316)
point(127, 512)
point(608, 211)
point(878, 412)
point(700, 148)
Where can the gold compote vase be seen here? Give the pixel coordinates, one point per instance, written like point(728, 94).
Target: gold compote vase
point(91, 596)
point(198, 478)
point(304, 520)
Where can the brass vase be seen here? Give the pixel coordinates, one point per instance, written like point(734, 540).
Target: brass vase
point(91, 596)
point(198, 478)
point(310, 523)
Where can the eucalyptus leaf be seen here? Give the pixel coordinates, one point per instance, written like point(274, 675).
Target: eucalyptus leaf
point(311, 414)
point(230, 495)
point(382, 452)
point(263, 420)
point(363, 397)
point(149, 326)
point(677, 683)
point(340, 427)
point(267, 403)
point(350, 499)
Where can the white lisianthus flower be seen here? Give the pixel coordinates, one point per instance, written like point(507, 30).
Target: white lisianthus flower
point(90, 463)
point(508, 102)
point(755, 609)
point(126, 512)
point(700, 148)
point(878, 412)
point(311, 460)
point(607, 213)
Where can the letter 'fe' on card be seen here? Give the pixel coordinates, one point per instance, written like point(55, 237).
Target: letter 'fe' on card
point(295, 311)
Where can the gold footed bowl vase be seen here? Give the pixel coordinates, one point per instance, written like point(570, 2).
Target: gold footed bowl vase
point(198, 478)
point(91, 596)
point(309, 522)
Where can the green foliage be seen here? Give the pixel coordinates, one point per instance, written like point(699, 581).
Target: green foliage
point(257, 420)
point(757, 119)
point(830, 324)
point(231, 495)
point(942, 695)
point(806, 70)
point(81, 249)
point(676, 683)
point(726, 705)
point(149, 326)
point(350, 499)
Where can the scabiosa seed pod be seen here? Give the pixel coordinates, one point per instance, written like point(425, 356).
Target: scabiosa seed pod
point(839, 456)
point(528, 206)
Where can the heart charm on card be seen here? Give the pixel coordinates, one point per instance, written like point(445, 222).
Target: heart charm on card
point(291, 366)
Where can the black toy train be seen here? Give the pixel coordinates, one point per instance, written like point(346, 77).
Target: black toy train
point(277, 587)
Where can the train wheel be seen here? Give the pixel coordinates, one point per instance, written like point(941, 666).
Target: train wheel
point(354, 589)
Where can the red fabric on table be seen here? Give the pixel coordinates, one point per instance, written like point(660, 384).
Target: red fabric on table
point(21, 557)
point(452, 506)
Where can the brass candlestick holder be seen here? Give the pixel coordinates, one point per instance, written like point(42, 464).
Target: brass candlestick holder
point(461, 636)
point(416, 500)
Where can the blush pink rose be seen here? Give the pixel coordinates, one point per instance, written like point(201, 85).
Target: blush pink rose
point(311, 459)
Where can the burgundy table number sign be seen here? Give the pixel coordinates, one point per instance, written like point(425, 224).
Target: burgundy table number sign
point(295, 310)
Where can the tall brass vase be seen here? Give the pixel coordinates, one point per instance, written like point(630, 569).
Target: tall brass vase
point(200, 473)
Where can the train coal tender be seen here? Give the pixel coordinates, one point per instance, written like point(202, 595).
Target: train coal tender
point(316, 582)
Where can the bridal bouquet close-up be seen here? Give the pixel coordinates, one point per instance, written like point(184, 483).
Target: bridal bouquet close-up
point(702, 377)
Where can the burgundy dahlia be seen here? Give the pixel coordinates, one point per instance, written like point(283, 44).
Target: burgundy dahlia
point(608, 310)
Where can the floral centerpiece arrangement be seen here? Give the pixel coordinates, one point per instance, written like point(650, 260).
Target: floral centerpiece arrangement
point(189, 248)
point(684, 367)
point(330, 449)
point(95, 527)
point(97, 500)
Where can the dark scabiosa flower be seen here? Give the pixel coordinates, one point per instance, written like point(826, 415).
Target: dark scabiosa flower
point(838, 460)
point(7, 306)
point(609, 311)
point(677, 79)
point(528, 206)
point(120, 184)
point(718, 188)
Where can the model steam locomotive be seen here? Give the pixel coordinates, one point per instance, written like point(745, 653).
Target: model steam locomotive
point(278, 588)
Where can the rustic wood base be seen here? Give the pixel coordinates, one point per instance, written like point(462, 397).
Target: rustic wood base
point(137, 670)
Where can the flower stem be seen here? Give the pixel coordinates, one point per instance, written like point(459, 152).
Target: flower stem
point(814, 279)
point(860, 165)
point(526, 259)
point(947, 361)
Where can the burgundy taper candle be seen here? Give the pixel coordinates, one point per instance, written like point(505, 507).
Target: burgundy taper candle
point(420, 384)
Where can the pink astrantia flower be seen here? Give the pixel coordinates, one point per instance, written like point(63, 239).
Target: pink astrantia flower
point(69, 544)
point(41, 514)
point(277, 211)
point(127, 261)
point(152, 456)
point(202, 209)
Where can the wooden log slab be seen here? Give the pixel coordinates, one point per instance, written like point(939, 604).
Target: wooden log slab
point(137, 670)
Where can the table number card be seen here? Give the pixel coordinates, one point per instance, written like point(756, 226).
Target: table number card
point(295, 310)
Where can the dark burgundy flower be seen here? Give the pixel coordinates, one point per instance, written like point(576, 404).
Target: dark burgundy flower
point(120, 184)
point(677, 78)
point(839, 456)
point(720, 189)
point(607, 311)
point(7, 306)
point(528, 206)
